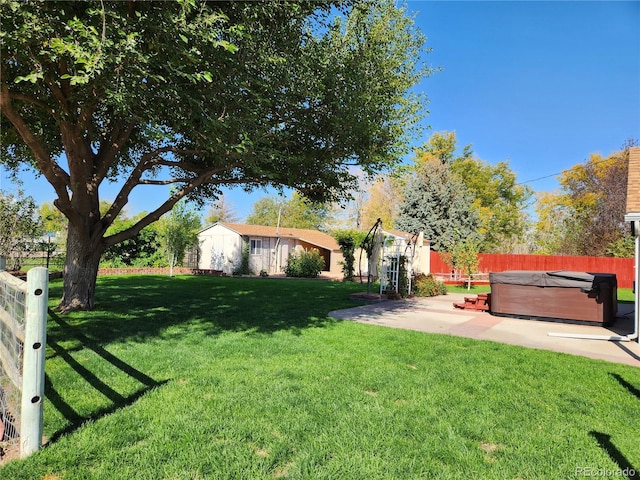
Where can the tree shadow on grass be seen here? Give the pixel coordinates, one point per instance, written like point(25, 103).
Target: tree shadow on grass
point(630, 388)
point(138, 308)
point(626, 469)
point(76, 420)
point(117, 400)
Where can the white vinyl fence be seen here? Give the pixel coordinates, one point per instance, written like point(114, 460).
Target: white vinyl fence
point(23, 319)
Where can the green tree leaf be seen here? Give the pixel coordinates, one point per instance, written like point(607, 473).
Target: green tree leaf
point(263, 94)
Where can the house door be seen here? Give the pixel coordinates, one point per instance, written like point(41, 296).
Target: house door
point(284, 255)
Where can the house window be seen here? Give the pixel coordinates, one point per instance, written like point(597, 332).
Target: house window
point(255, 246)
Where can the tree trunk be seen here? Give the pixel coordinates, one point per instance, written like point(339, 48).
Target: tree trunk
point(80, 272)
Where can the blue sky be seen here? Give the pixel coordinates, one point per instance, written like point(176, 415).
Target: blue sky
point(540, 84)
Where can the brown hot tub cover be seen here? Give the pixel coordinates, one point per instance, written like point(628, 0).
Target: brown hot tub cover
point(561, 294)
point(557, 278)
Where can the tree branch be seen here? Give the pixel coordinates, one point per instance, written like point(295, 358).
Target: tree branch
point(55, 175)
point(123, 196)
point(85, 115)
point(156, 214)
point(168, 181)
point(64, 91)
point(33, 101)
point(59, 96)
point(110, 147)
point(135, 178)
point(154, 157)
point(147, 162)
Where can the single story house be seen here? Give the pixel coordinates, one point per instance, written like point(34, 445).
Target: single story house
point(221, 246)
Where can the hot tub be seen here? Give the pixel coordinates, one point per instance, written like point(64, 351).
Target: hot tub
point(558, 295)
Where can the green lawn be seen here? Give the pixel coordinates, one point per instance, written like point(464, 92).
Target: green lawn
point(474, 290)
point(229, 378)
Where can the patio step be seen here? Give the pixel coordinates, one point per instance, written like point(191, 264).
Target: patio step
point(481, 302)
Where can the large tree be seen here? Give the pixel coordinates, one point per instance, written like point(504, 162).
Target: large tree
point(587, 216)
point(437, 202)
point(20, 227)
point(199, 95)
point(442, 146)
point(295, 212)
point(498, 200)
point(552, 229)
point(221, 210)
point(383, 202)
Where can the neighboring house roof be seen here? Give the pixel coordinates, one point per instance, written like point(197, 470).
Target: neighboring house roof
point(396, 233)
point(314, 237)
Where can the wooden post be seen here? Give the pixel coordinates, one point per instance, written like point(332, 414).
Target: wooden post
point(3, 263)
point(35, 337)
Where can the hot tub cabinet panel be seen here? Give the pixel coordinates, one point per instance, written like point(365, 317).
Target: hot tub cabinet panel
point(558, 295)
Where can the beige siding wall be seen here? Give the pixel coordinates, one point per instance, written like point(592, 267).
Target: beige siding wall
point(421, 260)
point(633, 186)
point(220, 249)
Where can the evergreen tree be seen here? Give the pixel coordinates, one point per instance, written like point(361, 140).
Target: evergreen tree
point(439, 203)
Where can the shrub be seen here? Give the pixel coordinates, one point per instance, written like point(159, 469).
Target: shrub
point(348, 239)
point(392, 295)
point(347, 246)
point(244, 268)
point(427, 286)
point(308, 263)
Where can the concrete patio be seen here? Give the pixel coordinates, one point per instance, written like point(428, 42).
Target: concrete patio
point(437, 315)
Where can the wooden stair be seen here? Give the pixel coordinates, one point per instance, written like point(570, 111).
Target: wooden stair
point(481, 302)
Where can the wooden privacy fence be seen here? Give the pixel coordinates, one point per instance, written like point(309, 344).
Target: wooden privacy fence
point(500, 262)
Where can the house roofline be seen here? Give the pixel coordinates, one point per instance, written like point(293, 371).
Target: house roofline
point(282, 232)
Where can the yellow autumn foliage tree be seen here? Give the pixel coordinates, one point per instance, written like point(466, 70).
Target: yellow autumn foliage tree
point(587, 215)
